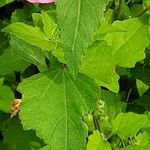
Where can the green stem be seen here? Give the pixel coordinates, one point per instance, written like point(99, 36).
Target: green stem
point(119, 12)
point(143, 12)
point(96, 124)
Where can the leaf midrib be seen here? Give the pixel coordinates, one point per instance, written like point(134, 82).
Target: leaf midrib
point(76, 31)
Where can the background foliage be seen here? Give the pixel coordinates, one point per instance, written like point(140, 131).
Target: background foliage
point(82, 71)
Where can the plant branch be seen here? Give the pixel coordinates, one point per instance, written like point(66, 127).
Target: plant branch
point(143, 12)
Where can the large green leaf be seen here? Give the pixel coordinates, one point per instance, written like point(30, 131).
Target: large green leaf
point(97, 143)
point(15, 138)
point(32, 35)
point(121, 49)
point(128, 124)
point(10, 63)
point(99, 63)
point(78, 21)
point(57, 103)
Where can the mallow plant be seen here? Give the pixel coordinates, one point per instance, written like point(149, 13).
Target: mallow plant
point(74, 75)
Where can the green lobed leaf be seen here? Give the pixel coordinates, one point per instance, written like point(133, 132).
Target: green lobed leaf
point(120, 49)
point(128, 124)
point(97, 143)
point(32, 35)
point(57, 102)
point(78, 21)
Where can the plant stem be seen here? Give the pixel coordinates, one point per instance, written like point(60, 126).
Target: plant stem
point(96, 124)
point(143, 12)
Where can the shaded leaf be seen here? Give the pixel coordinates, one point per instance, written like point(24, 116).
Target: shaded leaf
point(4, 2)
point(113, 104)
point(10, 63)
point(15, 138)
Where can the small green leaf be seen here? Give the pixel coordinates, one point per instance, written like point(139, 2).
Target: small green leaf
point(97, 143)
point(50, 28)
point(128, 124)
point(142, 87)
point(37, 20)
